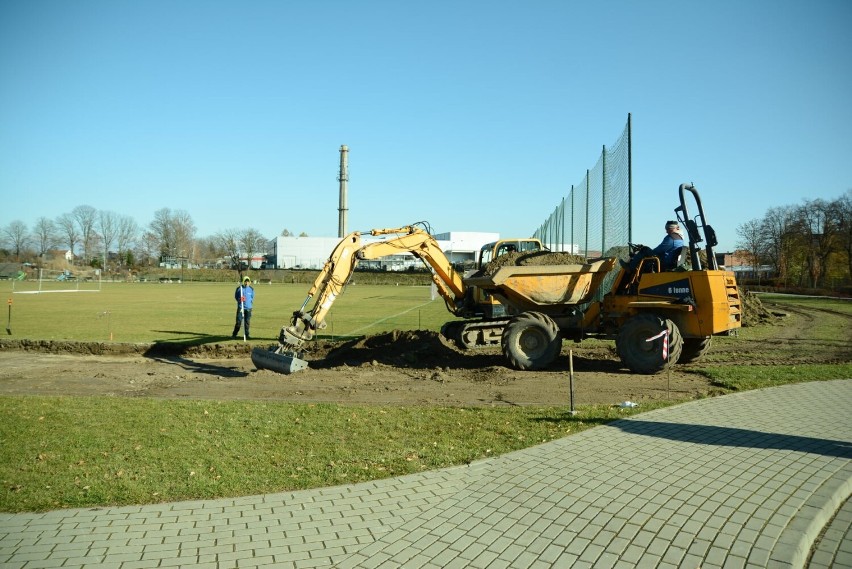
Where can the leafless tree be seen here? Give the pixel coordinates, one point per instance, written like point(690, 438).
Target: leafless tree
point(126, 234)
point(174, 232)
point(67, 226)
point(752, 241)
point(251, 242)
point(107, 223)
point(17, 237)
point(184, 233)
point(45, 236)
point(85, 216)
point(227, 244)
point(148, 248)
point(844, 209)
point(817, 221)
point(780, 232)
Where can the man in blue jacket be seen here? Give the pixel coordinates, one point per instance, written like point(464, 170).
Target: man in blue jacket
point(244, 296)
point(667, 251)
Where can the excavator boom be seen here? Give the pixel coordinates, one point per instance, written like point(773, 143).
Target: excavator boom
point(335, 274)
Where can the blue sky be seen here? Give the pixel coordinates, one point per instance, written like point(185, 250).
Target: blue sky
point(473, 116)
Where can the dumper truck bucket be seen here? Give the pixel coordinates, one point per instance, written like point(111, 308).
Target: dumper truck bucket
point(277, 359)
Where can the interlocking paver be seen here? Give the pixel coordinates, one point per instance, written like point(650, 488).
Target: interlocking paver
point(749, 479)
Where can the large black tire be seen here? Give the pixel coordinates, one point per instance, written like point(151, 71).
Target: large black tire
point(642, 356)
point(531, 341)
point(693, 349)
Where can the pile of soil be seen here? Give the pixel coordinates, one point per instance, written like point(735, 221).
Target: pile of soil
point(535, 258)
point(753, 311)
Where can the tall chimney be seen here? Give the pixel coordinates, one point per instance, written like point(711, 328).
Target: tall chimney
point(343, 178)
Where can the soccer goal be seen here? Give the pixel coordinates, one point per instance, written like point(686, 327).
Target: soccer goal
point(49, 280)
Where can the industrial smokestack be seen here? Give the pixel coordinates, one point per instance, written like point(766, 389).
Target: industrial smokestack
point(343, 178)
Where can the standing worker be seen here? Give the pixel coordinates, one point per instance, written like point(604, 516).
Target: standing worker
point(244, 296)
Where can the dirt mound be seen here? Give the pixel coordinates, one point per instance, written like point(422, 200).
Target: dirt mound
point(754, 313)
point(536, 258)
point(411, 348)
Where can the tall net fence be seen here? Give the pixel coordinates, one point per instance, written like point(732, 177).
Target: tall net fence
point(593, 220)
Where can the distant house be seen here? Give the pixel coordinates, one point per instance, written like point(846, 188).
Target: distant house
point(741, 264)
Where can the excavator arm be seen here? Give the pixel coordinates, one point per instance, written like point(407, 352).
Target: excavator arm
point(340, 265)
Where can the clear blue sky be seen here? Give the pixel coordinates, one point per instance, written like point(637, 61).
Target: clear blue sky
point(474, 116)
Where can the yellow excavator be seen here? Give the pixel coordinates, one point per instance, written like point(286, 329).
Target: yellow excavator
point(658, 316)
point(461, 300)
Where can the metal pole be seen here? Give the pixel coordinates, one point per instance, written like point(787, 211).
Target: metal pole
point(603, 201)
point(571, 380)
point(587, 215)
point(629, 181)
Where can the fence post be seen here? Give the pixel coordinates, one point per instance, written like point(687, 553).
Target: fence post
point(603, 200)
point(586, 238)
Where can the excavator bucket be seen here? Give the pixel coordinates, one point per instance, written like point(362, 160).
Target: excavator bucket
point(277, 359)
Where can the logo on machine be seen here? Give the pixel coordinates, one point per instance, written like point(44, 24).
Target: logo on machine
point(676, 289)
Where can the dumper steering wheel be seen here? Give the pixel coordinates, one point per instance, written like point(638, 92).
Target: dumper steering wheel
point(635, 248)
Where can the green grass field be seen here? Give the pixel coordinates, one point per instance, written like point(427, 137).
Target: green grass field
point(196, 313)
point(59, 452)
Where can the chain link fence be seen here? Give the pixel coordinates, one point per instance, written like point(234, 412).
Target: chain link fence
point(593, 220)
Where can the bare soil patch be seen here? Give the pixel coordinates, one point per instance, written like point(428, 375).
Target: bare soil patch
point(395, 368)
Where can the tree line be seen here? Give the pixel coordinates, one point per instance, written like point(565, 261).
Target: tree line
point(105, 239)
point(807, 245)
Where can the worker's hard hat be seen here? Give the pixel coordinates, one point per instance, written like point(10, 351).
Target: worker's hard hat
point(247, 279)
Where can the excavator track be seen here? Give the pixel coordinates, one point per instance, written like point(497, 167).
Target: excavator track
point(474, 334)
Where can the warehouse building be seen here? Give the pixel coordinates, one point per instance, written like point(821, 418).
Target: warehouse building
point(460, 247)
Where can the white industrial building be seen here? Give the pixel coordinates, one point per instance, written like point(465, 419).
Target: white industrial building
point(313, 252)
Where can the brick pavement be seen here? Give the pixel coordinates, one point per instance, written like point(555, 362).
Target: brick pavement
point(753, 479)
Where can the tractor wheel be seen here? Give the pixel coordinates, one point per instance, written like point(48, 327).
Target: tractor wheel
point(643, 356)
point(531, 340)
point(693, 349)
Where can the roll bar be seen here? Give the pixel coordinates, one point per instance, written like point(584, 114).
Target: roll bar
point(693, 225)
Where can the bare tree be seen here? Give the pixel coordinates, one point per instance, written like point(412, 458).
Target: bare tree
point(780, 232)
point(251, 242)
point(67, 226)
point(126, 234)
point(85, 216)
point(818, 223)
point(107, 223)
point(184, 233)
point(17, 237)
point(844, 208)
point(174, 232)
point(227, 243)
point(45, 236)
point(752, 241)
point(148, 248)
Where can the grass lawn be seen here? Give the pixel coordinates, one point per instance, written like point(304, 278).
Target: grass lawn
point(204, 312)
point(58, 452)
